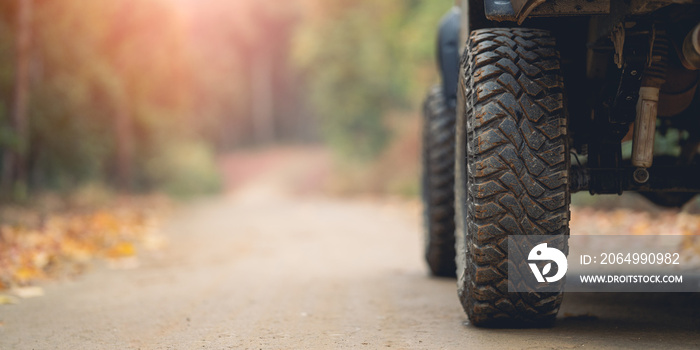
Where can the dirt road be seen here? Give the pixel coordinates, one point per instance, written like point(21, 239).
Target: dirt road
point(265, 269)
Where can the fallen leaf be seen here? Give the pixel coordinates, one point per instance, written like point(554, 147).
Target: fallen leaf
point(26, 273)
point(122, 249)
point(39, 244)
point(7, 299)
point(28, 292)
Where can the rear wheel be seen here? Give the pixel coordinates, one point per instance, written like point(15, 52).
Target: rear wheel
point(511, 169)
point(438, 184)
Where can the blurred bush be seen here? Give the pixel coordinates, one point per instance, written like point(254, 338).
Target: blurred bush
point(185, 169)
point(393, 172)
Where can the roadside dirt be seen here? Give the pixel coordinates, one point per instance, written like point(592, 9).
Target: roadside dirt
point(265, 267)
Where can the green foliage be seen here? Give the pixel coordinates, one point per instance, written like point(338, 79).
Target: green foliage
point(363, 59)
point(185, 169)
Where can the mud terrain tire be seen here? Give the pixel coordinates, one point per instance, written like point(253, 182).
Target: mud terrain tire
point(438, 184)
point(511, 171)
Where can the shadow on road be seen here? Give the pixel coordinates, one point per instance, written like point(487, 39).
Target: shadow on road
point(616, 320)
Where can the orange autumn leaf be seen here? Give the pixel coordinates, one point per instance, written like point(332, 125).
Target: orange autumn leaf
point(121, 250)
point(37, 246)
point(26, 273)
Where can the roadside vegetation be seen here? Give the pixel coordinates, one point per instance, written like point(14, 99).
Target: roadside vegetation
point(97, 116)
point(124, 101)
point(368, 65)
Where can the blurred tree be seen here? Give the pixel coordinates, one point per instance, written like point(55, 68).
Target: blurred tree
point(245, 85)
point(261, 79)
point(14, 174)
point(110, 87)
point(364, 58)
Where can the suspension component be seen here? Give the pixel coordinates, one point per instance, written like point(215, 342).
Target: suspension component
point(640, 175)
point(647, 105)
point(645, 127)
point(659, 178)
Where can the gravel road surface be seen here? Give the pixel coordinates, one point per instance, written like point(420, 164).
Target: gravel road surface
point(262, 268)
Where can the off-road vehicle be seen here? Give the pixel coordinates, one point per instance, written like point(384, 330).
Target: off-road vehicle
point(551, 97)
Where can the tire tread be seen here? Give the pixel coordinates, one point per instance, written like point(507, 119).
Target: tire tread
point(516, 168)
point(438, 183)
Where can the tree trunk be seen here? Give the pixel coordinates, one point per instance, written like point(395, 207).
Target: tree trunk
point(14, 163)
point(262, 97)
point(124, 144)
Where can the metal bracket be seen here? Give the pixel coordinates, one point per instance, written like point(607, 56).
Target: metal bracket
point(681, 179)
point(633, 60)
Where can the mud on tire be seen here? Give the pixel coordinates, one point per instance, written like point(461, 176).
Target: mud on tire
point(511, 169)
point(438, 184)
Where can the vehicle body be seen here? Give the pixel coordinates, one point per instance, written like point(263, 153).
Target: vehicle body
point(548, 92)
